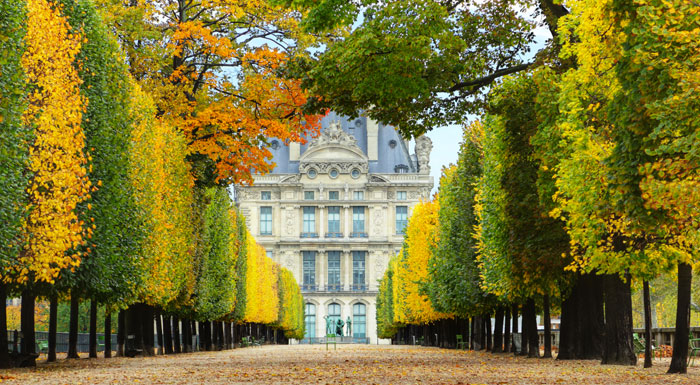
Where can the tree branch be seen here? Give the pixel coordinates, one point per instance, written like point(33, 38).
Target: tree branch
point(486, 80)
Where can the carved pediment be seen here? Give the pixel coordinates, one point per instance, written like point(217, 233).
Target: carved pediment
point(334, 149)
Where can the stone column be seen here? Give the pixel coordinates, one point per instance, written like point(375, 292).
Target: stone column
point(321, 267)
point(346, 269)
point(321, 226)
point(348, 223)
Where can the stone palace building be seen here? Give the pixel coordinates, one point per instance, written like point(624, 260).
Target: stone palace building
point(333, 212)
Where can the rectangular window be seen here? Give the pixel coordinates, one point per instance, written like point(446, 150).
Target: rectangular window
point(266, 221)
point(309, 220)
point(266, 195)
point(333, 270)
point(309, 270)
point(333, 195)
point(268, 253)
point(358, 220)
point(308, 195)
point(401, 195)
point(401, 219)
point(358, 195)
point(358, 270)
point(333, 221)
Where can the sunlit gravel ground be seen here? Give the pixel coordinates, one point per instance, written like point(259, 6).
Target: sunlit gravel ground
point(349, 364)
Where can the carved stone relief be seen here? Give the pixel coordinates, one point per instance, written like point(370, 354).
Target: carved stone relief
point(423, 148)
point(289, 222)
point(378, 222)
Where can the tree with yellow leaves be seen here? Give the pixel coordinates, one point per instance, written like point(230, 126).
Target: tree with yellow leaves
point(413, 305)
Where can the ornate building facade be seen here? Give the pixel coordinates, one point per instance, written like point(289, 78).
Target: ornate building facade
point(333, 212)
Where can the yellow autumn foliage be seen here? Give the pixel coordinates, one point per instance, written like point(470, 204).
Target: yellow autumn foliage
point(261, 285)
point(163, 184)
point(57, 161)
point(412, 306)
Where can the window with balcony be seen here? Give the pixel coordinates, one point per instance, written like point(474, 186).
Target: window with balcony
point(358, 271)
point(334, 271)
point(401, 219)
point(358, 222)
point(308, 222)
point(265, 220)
point(308, 270)
point(334, 222)
point(266, 195)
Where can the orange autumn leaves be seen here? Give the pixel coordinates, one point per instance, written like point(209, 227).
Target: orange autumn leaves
point(57, 161)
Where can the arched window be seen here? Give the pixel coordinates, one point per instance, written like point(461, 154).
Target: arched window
point(359, 320)
point(334, 315)
point(310, 319)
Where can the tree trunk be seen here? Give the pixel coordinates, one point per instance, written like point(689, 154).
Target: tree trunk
point(478, 327)
point(28, 344)
point(4, 354)
point(514, 328)
point(108, 333)
point(498, 332)
point(133, 342)
point(582, 320)
point(220, 338)
point(177, 344)
point(227, 335)
point(167, 334)
point(524, 329)
point(547, 328)
point(506, 332)
point(206, 335)
point(533, 338)
point(647, 325)
point(53, 320)
point(619, 349)
point(186, 336)
point(159, 333)
point(679, 360)
point(93, 329)
point(73, 326)
point(121, 332)
point(148, 331)
point(487, 332)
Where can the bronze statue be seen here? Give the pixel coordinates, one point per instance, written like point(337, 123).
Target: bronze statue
point(339, 327)
point(329, 325)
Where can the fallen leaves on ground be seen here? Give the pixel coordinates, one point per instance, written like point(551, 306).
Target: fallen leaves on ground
point(349, 364)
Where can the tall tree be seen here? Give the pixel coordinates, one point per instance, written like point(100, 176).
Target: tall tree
point(214, 70)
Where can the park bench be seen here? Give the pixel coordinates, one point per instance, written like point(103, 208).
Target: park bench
point(694, 346)
point(42, 346)
point(245, 341)
point(100, 343)
point(640, 346)
point(461, 344)
point(330, 339)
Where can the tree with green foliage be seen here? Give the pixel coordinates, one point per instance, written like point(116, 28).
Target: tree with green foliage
point(454, 284)
point(418, 64)
point(14, 135)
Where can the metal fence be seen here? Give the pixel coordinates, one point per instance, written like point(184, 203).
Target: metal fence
point(339, 339)
point(61, 341)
